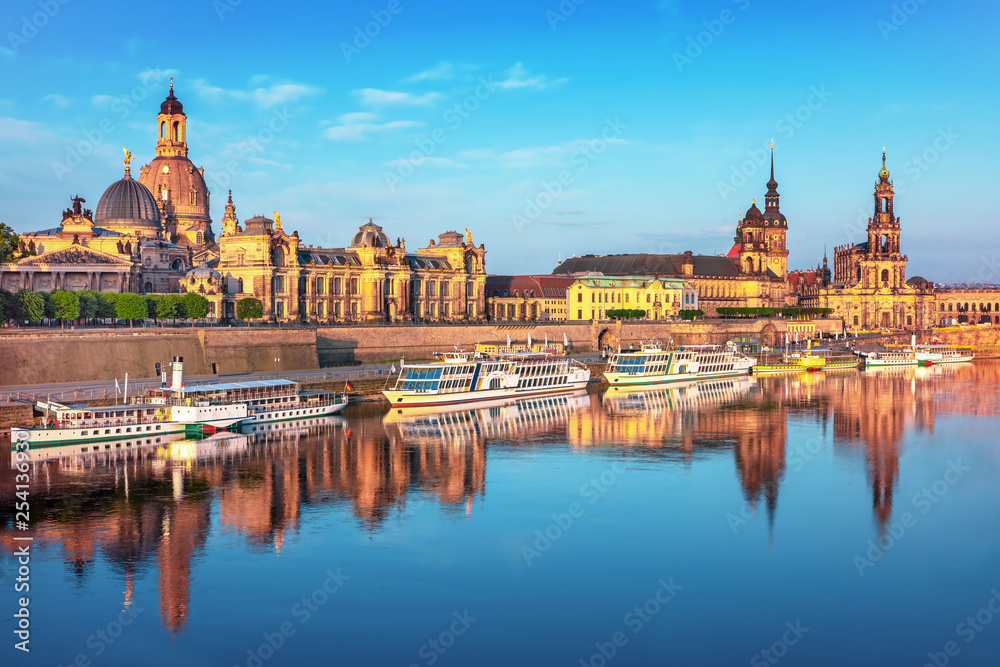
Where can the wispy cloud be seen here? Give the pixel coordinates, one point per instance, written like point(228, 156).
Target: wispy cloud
point(56, 100)
point(262, 92)
point(554, 155)
point(373, 97)
point(518, 77)
point(359, 125)
point(427, 161)
point(102, 100)
point(443, 71)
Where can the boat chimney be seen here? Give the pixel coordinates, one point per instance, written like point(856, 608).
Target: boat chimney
point(178, 378)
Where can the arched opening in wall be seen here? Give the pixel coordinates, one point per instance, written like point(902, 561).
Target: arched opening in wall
point(942, 307)
point(885, 276)
point(177, 131)
point(177, 265)
point(354, 290)
point(239, 286)
point(949, 308)
point(163, 130)
point(885, 243)
point(199, 238)
point(148, 288)
point(855, 320)
point(996, 319)
point(278, 256)
point(909, 320)
point(749, 264)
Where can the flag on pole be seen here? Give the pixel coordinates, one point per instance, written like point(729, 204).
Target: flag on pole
point(529, 342)
point(393, 369)
point(546, 340)
point(508, 340)
point(349, 387)
point(118, 389)
point(565, 341)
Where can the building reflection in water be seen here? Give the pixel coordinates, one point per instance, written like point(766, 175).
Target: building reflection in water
point(151, 505)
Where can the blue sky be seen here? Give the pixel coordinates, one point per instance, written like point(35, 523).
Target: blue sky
point(546, 128)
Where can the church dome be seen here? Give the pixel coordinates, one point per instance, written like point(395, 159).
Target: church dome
point(126, 205)
point(370, 235)
point(171, 105)
point(753, 213)
point(203, 272)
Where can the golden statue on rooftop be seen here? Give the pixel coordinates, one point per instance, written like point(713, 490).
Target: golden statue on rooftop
point(468, 235)
point(277, 221)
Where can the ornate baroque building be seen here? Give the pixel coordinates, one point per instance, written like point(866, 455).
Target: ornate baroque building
point(371, 280)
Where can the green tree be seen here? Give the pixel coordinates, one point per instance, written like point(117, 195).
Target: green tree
point(106, 305)
point(89, 304)
point(249, 308)
point(50, 305)
point(66, 306)
point(8, 306)
point(30, 306)
point(8, 244)
point(166, 307)
point(196, 306)
point(130, 307)
point(152, 302)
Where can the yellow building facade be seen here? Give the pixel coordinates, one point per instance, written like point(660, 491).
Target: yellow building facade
point(370, 280)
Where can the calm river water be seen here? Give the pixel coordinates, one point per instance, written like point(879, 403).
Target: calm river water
point(846, 518)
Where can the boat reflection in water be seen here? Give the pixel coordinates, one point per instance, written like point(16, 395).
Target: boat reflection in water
point(657, 399)
point(499, 419)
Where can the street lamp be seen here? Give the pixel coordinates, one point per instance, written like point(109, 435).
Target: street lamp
point(276, 360)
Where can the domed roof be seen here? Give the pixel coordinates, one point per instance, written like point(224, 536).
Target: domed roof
point(753, 213)
point(370, 235)
point(883, 173)
point(127, 204)
point(202, 272)
point(171, 104)
point(778, 218)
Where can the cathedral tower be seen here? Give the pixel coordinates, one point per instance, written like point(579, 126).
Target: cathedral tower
point(761, 236)
point(883, 235)
point(179, 186)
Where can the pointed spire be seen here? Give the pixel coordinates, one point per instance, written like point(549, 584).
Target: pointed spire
point(883, 174)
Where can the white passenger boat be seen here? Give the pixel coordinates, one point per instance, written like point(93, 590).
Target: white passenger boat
point(653, 364)
point(464, 377)
point(928, 355)
point(178, 409)
point(904, 357)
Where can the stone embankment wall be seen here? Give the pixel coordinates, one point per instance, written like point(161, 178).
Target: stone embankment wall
point(37, 357)
point(33, 357)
